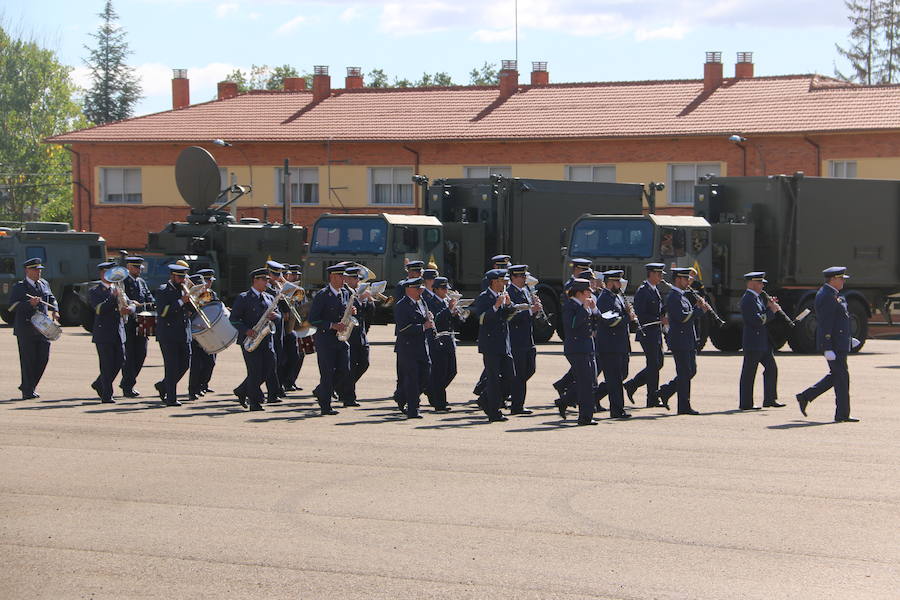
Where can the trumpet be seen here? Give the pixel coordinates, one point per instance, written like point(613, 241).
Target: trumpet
point(461, 308)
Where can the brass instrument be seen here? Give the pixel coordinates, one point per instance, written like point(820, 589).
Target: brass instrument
point(263, 327)
point(193, 300)
point(461, 309)
point(115, 276)
point(530, 282)
point(348, 320)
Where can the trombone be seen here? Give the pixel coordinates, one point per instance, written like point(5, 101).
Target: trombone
point(193, 300)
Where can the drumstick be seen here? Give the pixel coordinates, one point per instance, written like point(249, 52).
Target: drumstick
point(43, 302)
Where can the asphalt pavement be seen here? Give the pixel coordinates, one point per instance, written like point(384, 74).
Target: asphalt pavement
point(135, 500)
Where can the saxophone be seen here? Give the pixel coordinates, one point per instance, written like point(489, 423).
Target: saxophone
point(263, 327)
point(348, 320)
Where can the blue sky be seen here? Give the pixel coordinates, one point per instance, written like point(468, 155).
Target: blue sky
point(582, 40)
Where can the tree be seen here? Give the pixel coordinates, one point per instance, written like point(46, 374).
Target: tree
point(486, 75)
point(256, 79)
point(115, 87)
point(378, 79)
point(279, 74)
point(888, 65)
point(36, 102)
point(439, 79)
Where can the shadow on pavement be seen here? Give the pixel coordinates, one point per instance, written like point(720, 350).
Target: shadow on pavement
point(797, 424)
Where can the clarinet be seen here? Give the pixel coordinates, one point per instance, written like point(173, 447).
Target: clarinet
point(630, 309)
point(694, 298)
point(767, 298)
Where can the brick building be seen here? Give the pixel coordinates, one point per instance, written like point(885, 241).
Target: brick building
point(355, 148)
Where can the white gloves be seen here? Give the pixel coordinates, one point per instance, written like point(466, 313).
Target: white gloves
point(854, 343)
point(829, 355)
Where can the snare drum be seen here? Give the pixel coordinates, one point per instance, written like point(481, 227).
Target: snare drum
point(46, 326)
point(307, 345)
point(146, 323)
point(221, 332)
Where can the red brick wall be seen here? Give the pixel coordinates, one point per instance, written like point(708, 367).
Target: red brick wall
point(127, 226)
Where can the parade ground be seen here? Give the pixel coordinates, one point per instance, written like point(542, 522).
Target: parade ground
point(136, 500)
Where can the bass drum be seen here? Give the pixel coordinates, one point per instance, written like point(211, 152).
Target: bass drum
point(221, 332)
point(146, 324)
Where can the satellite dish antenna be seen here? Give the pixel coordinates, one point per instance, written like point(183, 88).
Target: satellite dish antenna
point(197, 177)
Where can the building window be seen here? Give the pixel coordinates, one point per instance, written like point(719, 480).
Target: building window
point(391, 185)
point(304, 185)
point(485, 172)
point(120, 186)
point(604, 173)
point(683, 178)
point(845, 169)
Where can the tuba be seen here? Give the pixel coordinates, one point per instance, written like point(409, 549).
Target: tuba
point(263, 327)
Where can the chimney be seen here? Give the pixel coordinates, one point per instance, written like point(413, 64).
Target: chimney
point(743, 68)
point(321, 83)
point(181, 89)
point(509, 78)
point(354, 79)
point(227, 89)
point(539, 74)
point(712, 71)
point(295, 84)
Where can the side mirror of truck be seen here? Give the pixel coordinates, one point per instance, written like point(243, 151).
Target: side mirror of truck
point(563, 234)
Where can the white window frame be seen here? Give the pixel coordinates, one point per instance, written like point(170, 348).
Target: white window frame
point(475, 171)
point(400, 176)
point(700, 169)
point(126, 172)
point(841, 169)
point(300, 176)
point(597, 173)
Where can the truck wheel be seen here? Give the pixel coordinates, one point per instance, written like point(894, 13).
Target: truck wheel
point(544, 329)
point(778, 333)
point(803, 337)
point(703, 332)
point(70, 309)
point(859, 323)
point(727, 338)
point(6, 315)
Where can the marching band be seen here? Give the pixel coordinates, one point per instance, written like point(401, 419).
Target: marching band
point(276, 323)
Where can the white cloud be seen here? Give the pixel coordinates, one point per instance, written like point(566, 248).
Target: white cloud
point(489, 36)
point(677, 31)
point(227, 8)
point(291, 25)
point(351, 13)
point(399, 18)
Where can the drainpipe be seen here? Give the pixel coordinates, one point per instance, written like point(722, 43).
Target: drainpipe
point(818, 154)
point(81, 186)
point(416, 197)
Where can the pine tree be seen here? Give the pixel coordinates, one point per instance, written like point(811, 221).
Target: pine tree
point(115, 87)
point(864, 40)
point(888, 56)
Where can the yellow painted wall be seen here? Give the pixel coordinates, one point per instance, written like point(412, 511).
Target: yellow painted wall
point(871, 168)
point(547, 171)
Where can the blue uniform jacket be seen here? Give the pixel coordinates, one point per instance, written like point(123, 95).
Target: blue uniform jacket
point(443, 319)
point(136, 289)
point(612, 333)
point(648, 306)
point(412, 339)
point(364, 313)
point(493, 333)
point(833, 320)
point(681, 321)
point(23, 311)
point(578, 328)
point(173, 323)
point(109, 328)
point(521, 332)
point(248, 309)
point(327, 308)
point(755, 315)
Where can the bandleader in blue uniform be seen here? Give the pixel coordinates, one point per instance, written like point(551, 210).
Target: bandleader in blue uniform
point(25, 299)
point(834, 341)
point(173, 332)
point(756, 315)
point(412, 329)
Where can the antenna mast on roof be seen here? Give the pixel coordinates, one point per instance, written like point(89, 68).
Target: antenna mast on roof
point(516, 27)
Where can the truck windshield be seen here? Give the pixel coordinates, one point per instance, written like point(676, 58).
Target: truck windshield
point(365, 236)
point(612, 237)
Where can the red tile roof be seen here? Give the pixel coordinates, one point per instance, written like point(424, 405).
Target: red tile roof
point(772, 105)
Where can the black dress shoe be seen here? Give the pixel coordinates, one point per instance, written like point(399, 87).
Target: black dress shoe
point(629, 390)
point(749, 408)
point(847, 420)
point(591, 422)
point(132, 393)
point(656, 404)
point(173, 403)
point(330, 411)
point(498, 418)
point(160, 390)
point(351, 404)
point(282, 394)
point(664, 400)
point(273, 400)
point(108, 401)
point(624, 415)
point(29, 396)
point(600, 408)
point(192, 397)
point(208, 391)
point(561, 406)
point(803, 402)
point(522, 411)
point(96, 387)
point(241, 398)
point(256, 407)
point(772, 404)
point(689, 411)
point(414, 417)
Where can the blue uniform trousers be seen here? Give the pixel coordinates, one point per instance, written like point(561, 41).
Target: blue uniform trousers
point(359, 364)
point(177, 361)
point(524, 362)
point(685, 369)
point(839, 379)
point(615, 369)
point(334, 372)
point(649, 375)
point(413, 381)
point(497, 368)
point(34, 352)
point(202, 365)
point(112, 357)
point(135, 355)
point(260, 363)
point(443, 371)
point(581, 391)
point(752, 359)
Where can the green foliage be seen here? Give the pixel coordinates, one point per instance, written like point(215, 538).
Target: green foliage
point(263, 77)
point(278, 75)
point(115, 87)
point(439, 79)
point(378, 79)
point(36, 102)
point(486, 75)
point(873, 50)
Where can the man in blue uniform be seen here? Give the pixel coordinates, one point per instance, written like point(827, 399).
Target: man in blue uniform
point(498, 261)
point(757, 346)
point(412, 328)
point(26, 298)
point(414, 269)
point(493, 309)
point(578, 266)
point(333, 355)
point(443, 350)
point(202, 363)
point(274, 385)
point(834, 341)
point(108, 333)
point(648, 307)
point(578, 318)
point(293, 357)
point(249, 308)
point(359, 340)
point(521, 338)
point(136, 290)
point(173, 332)
point(613, 339)
point(682, 339)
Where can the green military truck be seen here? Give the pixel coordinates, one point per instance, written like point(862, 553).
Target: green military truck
point(69, 257)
